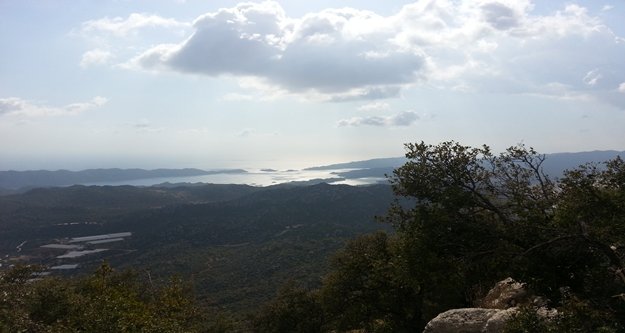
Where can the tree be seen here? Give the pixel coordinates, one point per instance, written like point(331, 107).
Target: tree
point(363, 291)
point(477, 217)
point(293, 310)
point(14, 296)
point(106, 301)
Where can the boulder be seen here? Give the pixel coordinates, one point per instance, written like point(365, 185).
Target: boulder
point(468, 320)
point(497, 322)
point(497, 307)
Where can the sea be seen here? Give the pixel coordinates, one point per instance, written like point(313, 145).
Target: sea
point(254, 178)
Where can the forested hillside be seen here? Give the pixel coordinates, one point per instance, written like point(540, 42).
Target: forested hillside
point(256, 259)
point(236, 243)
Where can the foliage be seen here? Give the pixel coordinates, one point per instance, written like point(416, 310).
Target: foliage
point(527, 320)
point(292, 310)
point(237, 244)
point(475, 218)
point(363, 291)
point(105, 301)
point(575, 316)
point(479, 217)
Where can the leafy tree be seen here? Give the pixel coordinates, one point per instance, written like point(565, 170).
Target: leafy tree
point(363, 290)
point(15, 292)
point(106, 301)
point(478, 217)
point(293, 310)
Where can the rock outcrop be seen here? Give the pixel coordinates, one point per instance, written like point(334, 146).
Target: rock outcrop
point(499, 305)
point(505, 294)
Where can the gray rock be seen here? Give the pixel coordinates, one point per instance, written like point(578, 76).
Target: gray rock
point(497, 322)
point(496, 309)
point(468, 320)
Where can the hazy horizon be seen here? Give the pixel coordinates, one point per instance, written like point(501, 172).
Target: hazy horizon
point(292, 84)
point(279, 167)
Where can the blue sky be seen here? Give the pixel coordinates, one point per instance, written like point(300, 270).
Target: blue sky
point(290, 84)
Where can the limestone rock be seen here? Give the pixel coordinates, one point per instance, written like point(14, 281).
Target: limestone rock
point(469, 320)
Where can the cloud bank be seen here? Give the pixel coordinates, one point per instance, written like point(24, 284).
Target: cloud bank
point(491, 46)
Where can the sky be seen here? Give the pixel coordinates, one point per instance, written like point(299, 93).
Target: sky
point(291, 84)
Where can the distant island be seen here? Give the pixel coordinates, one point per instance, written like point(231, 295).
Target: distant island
point(44, 178)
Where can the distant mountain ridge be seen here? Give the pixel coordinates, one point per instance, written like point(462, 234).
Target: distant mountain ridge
point(11, 181)
point(554, 164)
point(365, 164)
point(44, 178)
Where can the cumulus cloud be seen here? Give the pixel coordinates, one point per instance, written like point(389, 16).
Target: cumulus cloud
point(325, 53)
point(95, 57)
point(621, 87)
point(21, 107)
point(405, 118)
point(499, 46)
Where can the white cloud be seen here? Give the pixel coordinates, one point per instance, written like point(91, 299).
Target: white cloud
point(20, 107)
point(621, 87)
point(95, 57)
point(592, 77)
point(405, 118)
point(123, 26)
point(499, 46)
point(606, 8)
point(322, 53)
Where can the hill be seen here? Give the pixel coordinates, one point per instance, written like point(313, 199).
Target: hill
point(237, 243)
point(12, 180)
point(366, 164)
point(554, 164)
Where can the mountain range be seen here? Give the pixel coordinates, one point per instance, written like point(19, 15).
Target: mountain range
point(12, 181)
